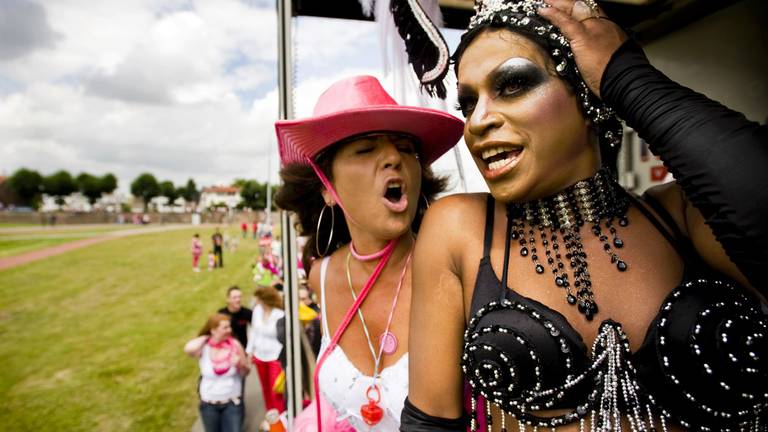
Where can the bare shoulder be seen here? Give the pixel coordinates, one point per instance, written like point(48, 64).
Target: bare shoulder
point(453, 227)
point(457, 210)
point(314, 276)
point(693, 225)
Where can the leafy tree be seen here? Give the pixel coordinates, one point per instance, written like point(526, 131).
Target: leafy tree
point(108, 183)
point(190, 192)
point(146, 187)
point(252, 192)
point(89, 186)
point(59, 185)
point(168, 190)
point(27, 184)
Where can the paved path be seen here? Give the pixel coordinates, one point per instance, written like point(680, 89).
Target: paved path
point(254, 405)
point(39, 254)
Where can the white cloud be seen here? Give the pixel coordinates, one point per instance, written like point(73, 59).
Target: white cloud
point(180, 89)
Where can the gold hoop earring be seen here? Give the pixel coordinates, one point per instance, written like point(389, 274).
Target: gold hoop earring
point(317, 233)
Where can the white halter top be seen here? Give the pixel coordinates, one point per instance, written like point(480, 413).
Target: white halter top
point(344, 386)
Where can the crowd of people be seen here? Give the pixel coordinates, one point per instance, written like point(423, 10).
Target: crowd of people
point(237, 338)
point(559, 300)
point(221, 242)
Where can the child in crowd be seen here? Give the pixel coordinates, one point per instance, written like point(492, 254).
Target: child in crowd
point(197, 250)
point(211, 260)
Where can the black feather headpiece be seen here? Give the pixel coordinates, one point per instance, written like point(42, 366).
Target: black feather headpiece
point(427, 51)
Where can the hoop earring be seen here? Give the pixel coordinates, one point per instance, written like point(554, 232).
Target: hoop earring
point(317, 233)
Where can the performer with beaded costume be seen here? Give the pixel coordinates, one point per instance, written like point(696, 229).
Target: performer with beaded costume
point(615, 311)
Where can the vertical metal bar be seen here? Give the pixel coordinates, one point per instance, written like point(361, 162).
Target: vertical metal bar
point(293, 373)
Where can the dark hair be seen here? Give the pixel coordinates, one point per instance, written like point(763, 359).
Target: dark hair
point(233, 288)
point(608, 154)
point(301, 194)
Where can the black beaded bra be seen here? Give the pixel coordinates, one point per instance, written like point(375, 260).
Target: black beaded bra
point(703, 363)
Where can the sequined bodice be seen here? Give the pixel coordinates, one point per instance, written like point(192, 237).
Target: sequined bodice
point(702, 362)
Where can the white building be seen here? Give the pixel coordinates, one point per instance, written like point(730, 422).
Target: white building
point(218, 195)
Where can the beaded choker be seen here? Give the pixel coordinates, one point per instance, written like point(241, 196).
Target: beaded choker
point(598, 201)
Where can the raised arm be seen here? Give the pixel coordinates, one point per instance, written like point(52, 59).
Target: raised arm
point(718, 157)
point(436, 328)
point(194, 347)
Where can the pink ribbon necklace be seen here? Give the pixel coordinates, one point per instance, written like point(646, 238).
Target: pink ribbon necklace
point(222, 364)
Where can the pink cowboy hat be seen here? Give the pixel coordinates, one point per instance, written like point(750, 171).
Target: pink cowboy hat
point(358, 105)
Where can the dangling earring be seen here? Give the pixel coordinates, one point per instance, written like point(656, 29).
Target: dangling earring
point(317, 234)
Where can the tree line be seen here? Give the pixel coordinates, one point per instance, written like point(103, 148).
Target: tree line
point(146, 187)
point(29, 185)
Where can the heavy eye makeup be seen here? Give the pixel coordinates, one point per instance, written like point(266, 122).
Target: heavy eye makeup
point(512, 78)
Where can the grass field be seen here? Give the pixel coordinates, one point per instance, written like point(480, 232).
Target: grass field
point(15, 246)
point(14, 225)
point(92, 339)
point(22, 239)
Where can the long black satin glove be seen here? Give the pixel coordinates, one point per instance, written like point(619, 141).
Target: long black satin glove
point(413, 419)
point(718, 157)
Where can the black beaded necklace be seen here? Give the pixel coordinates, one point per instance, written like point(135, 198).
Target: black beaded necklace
point(598, 200)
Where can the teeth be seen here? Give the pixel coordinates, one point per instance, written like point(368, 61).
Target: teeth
point(494, 151)
point(498, 164)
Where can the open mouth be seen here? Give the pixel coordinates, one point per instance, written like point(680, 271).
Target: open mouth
point(496, 158)
point(394, 196)
point(394, 192)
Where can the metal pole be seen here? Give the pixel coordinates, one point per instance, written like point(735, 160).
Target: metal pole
point(292, 328)
point(269, 185)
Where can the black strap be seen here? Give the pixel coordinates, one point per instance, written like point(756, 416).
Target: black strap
point(675, 237)
point(412, 419)
point(507, 246)
point(490, 209)
point(664, 214)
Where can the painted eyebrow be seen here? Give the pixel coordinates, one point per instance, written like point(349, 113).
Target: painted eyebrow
point(512, 64)
point(518, 63)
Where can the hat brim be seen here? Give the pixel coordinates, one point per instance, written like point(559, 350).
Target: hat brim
point(436, 130)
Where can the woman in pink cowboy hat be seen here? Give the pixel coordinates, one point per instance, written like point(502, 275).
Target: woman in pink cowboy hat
point(357, 175)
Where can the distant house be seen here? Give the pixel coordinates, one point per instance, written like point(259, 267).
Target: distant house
point(77, 202)
point(213, 196)
point(74, 202)
point(163, 205)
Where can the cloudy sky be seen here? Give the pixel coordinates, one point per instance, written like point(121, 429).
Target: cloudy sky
point(178, 88)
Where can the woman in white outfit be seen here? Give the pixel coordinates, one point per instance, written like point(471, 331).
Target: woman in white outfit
point(222, 366)
point(357, 176)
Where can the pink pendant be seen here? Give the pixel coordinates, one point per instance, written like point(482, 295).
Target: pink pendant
point(388, 343)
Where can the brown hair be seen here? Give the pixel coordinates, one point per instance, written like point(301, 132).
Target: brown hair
point(212, 323)
point(301, 194)
point(269, 296)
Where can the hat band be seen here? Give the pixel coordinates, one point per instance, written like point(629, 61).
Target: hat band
point(329, 187)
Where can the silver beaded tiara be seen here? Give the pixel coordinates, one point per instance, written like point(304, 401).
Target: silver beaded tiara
point(523, 14)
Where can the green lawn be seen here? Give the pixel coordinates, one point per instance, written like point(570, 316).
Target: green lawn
point(92, 339)
point(16, 224)
point(19, 246)
point(17, 241)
